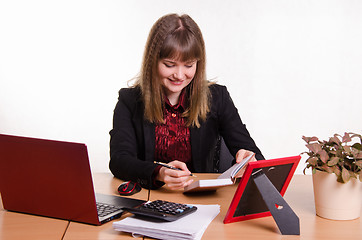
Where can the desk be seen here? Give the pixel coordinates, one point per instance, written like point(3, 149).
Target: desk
point(17, 226)
point(103, 183)
point(299, 196)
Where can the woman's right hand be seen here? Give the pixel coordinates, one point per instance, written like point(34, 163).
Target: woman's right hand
point(175, 179)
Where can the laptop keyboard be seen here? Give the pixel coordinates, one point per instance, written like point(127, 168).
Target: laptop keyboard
point(105, 209)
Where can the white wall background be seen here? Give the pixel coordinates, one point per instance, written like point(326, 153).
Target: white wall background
point(293, 67)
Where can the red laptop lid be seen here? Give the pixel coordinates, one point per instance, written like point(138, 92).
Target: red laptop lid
point(47, 178)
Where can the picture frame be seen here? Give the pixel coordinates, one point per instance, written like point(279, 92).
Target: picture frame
point(248, 202)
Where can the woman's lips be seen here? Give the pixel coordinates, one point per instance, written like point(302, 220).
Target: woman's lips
point(176, 82)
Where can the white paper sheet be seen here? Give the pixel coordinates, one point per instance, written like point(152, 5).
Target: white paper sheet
point(191, 226)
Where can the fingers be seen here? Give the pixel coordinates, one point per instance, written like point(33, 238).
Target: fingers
point(180, 165)
point(242, 153)
point(178, 183)
point(175, 179)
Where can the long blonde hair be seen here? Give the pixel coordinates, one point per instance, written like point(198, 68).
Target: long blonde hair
point(176, 37)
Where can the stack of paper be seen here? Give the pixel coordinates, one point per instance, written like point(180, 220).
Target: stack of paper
point(191, 226)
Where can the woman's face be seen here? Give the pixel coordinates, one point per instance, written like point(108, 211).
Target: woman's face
point(175, 76)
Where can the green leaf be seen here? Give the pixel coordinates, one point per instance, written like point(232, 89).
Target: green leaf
point(357, 146)
point(333, 161)
point(347, 149)
point(333, 153)
point(309, 139)
point(355, 152)
point(352, 174)
point(323, 156)
point(337, 171)
point(345, 175)
point(335, 139)
point(312, 161)
point(314, 147)
point(346, 137)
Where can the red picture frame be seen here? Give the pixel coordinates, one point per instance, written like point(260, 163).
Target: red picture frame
point(247, 202)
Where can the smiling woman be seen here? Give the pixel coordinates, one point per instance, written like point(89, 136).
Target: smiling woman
point(175, 76)
point(174, 39)
point(173, 114)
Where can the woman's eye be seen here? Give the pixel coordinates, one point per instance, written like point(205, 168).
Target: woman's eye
point(190, 65)
point(168, 65)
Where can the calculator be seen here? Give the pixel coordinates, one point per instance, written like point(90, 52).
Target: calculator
point(164, 210)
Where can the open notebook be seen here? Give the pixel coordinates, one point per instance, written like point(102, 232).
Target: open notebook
point(227, 178)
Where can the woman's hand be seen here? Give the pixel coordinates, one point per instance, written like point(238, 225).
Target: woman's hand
point(175, 179)
point(242, 153)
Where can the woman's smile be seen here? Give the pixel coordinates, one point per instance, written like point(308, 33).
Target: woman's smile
point(175, 76)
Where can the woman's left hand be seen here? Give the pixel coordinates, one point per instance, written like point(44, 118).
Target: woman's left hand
point(242, 153)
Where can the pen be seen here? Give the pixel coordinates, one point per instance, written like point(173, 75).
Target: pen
point(170, 167)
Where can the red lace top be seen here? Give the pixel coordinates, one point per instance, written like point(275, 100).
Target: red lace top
point(173, 136)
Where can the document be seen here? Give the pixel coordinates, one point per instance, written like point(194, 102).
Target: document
point(225, 179)
point(191, 226)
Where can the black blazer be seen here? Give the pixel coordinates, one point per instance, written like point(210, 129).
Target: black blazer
point(132, 141)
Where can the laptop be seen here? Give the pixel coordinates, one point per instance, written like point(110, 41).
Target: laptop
point(53, 179)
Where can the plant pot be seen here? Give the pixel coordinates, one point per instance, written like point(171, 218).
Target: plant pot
point(335, 200)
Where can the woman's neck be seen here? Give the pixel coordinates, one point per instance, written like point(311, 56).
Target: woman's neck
point(173, 98)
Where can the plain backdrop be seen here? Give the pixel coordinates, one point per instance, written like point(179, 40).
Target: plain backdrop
point(292, 67)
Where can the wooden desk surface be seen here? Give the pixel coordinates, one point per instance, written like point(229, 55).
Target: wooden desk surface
point(299, 196)
point(18, 226)
point(103, 183)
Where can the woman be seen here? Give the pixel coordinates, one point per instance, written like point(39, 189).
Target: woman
point(172, 113)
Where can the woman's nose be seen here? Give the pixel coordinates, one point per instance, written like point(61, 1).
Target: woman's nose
point(179, 74)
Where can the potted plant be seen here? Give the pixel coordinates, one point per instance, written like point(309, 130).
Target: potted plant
point(337, 175)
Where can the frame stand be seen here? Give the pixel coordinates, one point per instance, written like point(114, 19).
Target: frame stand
point(285, 218)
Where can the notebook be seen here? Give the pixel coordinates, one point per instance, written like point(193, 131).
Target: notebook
point(53, 179)
point(227, 178)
